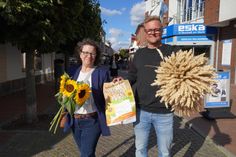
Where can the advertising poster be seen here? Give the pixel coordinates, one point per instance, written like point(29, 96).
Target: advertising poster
point(221, 92)
point(120, 103)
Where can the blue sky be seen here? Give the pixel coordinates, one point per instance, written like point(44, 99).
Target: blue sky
point(122, 17)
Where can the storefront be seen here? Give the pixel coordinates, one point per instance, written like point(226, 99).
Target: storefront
point(195, 36)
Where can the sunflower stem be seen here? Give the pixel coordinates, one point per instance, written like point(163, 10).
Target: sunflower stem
point(56, 118)
point(55, 129)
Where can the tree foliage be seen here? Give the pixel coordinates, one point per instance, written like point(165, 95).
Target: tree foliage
point(47, 26)
point(89, 25)
point(124, 53)
point(39, 24)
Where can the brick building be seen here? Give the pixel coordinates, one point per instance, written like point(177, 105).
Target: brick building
point(205, 26)
point(221, 14)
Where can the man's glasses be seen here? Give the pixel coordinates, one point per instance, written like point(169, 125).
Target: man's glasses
point(153, 31)
point(89, 53)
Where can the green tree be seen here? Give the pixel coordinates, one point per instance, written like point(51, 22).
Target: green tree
point(45, 26)
point(124, 53)
point(90, 26)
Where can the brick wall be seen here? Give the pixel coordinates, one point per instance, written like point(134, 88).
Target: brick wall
point(140, 36)
point(12, 86)
point(211, 12)
point(226, 33)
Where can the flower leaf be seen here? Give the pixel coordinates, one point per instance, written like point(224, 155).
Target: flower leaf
point(68, 106)
point(65, 99)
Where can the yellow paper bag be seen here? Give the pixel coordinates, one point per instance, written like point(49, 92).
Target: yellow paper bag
point(120, 103)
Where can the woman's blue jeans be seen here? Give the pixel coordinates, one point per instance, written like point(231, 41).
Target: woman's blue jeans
point(86, 133)
point(163, 125)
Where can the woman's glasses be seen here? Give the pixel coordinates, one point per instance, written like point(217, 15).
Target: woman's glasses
point(89, 53)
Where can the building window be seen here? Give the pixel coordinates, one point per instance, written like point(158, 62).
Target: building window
point(37, 61)
point(23, 56)
point(191, 10)
point(154, 3)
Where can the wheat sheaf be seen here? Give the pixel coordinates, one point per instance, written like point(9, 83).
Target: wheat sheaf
point(184, 79)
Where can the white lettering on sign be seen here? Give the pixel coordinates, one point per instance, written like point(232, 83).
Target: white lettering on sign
point(164, 31)
point(190, 28)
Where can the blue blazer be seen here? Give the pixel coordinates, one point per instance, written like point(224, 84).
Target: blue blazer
point(99, 76)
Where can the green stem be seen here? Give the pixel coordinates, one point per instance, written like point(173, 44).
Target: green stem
point(56, 118)
point(58, 121)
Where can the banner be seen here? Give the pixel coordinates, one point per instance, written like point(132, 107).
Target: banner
point(120, 103)
point(221, 92)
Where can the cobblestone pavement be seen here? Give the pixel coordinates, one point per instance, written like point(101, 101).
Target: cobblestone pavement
point(41, 143)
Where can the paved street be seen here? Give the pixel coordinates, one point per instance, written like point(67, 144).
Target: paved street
point(38, 142)
point(41, 143)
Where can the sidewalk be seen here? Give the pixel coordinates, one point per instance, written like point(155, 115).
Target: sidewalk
point(14, 105)
point(221, 131)
point(41, 143)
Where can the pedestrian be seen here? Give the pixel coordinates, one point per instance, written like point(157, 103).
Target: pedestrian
point(73, 66)
point(150, 111)
point(58, 71)
point(114, 66)
point(89, 121)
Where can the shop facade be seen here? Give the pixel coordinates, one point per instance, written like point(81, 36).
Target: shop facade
point(195, 36)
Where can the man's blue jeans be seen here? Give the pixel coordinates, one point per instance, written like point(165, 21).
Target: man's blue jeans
point(86, 133)
point(163, 124)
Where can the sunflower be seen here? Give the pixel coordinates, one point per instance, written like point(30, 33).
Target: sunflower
point(69, 87)
point(82, 94)
point(62, 83)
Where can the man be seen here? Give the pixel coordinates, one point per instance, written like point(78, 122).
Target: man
point(150, 112)
point(216, 91)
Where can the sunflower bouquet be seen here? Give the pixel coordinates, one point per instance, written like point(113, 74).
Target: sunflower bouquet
point(70, 95)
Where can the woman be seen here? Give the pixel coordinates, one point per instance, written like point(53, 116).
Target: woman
point(89, 120)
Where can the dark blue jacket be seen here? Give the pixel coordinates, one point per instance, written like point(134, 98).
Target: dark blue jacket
point(99, 76)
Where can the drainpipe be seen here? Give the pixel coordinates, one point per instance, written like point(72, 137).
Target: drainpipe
point(217, 48)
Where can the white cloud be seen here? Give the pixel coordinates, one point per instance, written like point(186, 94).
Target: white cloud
point(137, 13)
point(109, 12)
point(114, 32)
point(115, 36)
point(120, 45)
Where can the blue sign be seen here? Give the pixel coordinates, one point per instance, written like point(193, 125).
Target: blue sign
point(168, 31)
point(194, 38)
point(188, 29)
point(217, 104)
point(167, 40)
point(164, 33)
point(223, 75)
